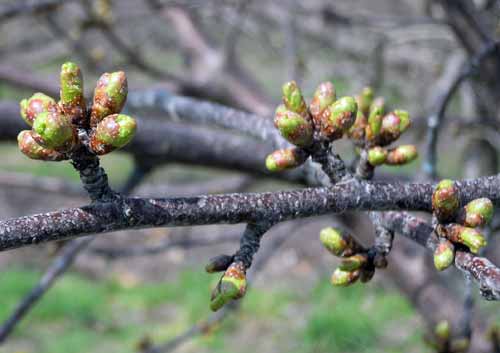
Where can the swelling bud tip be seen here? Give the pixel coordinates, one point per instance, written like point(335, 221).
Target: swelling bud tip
point(377, 156)
point(114, 132)
point(295, 128)
point(323, 97)
point(344, 278)
point(232, 286)
point(110, 95)
point(38, 103)
point(401, 155)
point(444, 255)
point(72, 99)
point(478, 212)
point(33, 150)
point(285, 159)
point(293, 99)
point(53, 130)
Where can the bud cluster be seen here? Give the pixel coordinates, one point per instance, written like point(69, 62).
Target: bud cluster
point(356, 264)
point(326, 119)
point(374, 130)
point(457, 224)
point(55, 126)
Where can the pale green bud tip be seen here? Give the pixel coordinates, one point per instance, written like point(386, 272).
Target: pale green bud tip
point(54, 130)
point(377, 156)
point(442, 330)
point(404, 119)
point(71, 84)
point(343, 113)
point(332, 240)
point(478, 212)
point(292, 98)
point(285, 159)
point(116, 130)
point(472, 239)
point(444, 255)
point(323, 97)
point(294, 127)
point(354, 262)
point(365, 99)
point(344, 278)
point(232, 286)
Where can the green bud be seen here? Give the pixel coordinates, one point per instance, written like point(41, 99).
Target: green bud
point(445, 200)
point(444, 255)
point(110, 95)
point(293, 100)
point(53, 130)
point(339, 243)
point(442, 330)
point(322, 99)
point(344, 278)
point(219, 263)
point(478, 212)
point(284, 159)
point(377, 156)
point(339, 117)
point(33, 150)
point(365, 99)
point(375, 119)
point(354, 262)
point(72, 99)
point(115, 131)
point(294, 127)
point(38, 103)
point(401, 155)
point(404, 119)
point(469, 237)
point(232, 286)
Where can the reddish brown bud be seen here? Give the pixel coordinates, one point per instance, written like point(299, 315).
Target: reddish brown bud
point(401, 155)
point(284, 159)
point(323, 98)
point(114, 132)
point(33, 150)
point(445, 200)
point(38, 103)
point(295, 128)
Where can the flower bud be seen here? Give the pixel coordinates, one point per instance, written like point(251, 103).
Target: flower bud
point(344, 278)
point(377, 156)
point(375, 119)
point(339, 243)
point(445, 200)
point(389, 130)
point(354, 262)
point(401, 155)
point(38, 103)
point(365, 99)
point(72, 99)
point(357, 130)
point(33, 150)
point(293, 127)
point(232, 286)
point(115, 131)
point(469, 237)
point(339, 117)
point(110, 95)
point(285, 159)
point(477, 213)
point(322, 99)
point(219, 263)
point(293, 100)
point(444, 255)
point(53, 130)
point(442, 330)
point(404, 119)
